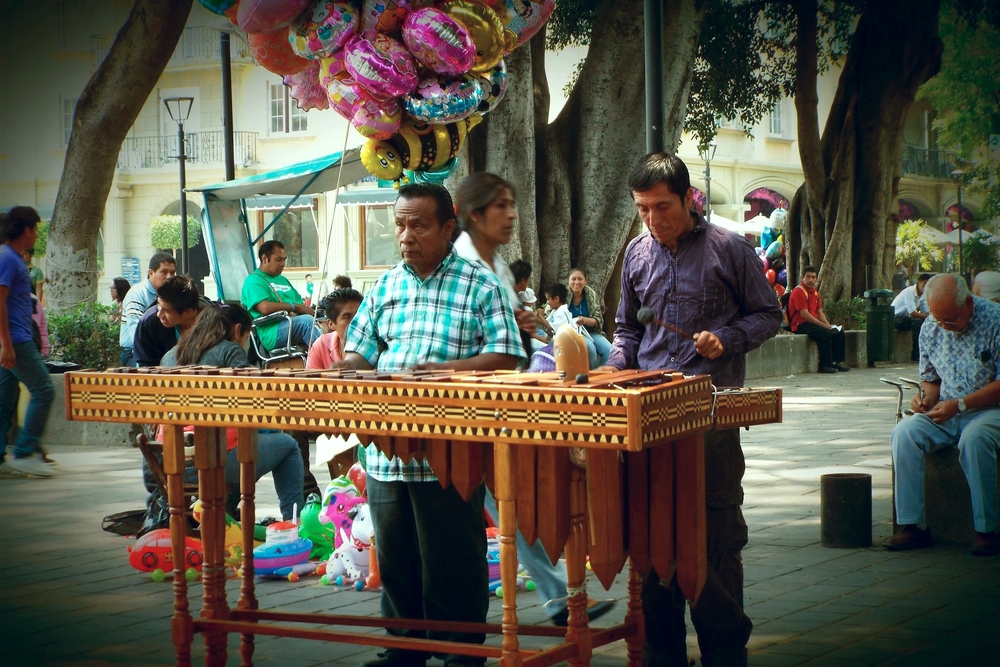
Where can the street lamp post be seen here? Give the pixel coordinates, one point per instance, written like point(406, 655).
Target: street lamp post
point(957, 177)
point(708, 154)
point(179, 109)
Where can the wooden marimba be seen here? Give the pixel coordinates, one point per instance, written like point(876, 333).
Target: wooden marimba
point(637, 494)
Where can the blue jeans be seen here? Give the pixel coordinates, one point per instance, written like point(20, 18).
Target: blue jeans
point(431, 548)
point(603, 348)
point(29, 369)
point(277, 453)
point(977, 434)
point(304, 332)
point(550, 580)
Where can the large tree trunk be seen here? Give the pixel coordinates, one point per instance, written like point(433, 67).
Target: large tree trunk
point(108, 106)
point(843, 218)
point(582, 214)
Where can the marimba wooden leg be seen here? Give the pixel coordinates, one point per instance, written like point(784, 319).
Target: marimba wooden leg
point(210, 459)
point(506, 497)
point(634, 617)
point(692, 566)
point(181, 623)
point(578, 630)
point(246, 452)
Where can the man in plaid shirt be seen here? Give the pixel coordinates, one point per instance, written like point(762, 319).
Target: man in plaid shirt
point(432, 310)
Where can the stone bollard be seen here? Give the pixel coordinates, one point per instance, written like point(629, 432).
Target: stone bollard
point(846, 510)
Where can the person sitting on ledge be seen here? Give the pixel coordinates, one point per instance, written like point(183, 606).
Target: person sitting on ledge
point(805, 309)
point(959, 404)
point(911, 311)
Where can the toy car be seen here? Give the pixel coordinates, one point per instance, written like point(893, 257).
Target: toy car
point(154, 551)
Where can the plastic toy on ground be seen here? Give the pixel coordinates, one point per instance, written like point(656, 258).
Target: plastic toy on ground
point(283, 548)
point(233, 537)
point(350, 562)
point(153, 553)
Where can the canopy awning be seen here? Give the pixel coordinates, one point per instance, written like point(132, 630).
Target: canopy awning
point(304, 178)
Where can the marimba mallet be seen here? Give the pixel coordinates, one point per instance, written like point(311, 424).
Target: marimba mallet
point(645, 316)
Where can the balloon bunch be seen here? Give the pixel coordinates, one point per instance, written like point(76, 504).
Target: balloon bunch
point(772, 252)
point(414, 76)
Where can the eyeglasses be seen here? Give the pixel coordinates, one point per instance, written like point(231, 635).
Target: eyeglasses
point(954, 323)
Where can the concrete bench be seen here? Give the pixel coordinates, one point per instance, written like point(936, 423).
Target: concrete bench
point(949, 501)
point(795, 354)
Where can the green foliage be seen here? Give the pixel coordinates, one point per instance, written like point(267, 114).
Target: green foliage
point(85, 335)
point(914, 248)
point(980, 253)
point(966, 93)
point(43, 238)
point(740, 71)
point(848, 313)
point(165, 232)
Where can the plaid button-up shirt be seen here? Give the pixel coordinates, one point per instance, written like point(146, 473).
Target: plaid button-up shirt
point(457, 312)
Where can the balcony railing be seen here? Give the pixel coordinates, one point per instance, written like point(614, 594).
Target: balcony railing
point(197, 46)
point(199, 148)
point(927, 162)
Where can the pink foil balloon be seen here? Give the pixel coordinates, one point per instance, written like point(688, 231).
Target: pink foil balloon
point(439, 42)
point(306, 90)
point(381, 65)
point(324, 29)
point(344, 94)
point(377, 119)
point(268, 15)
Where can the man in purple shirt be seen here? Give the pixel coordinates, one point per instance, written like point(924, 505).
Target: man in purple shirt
point(707, 281)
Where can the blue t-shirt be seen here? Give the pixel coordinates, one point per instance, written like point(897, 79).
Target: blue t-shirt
point(14, 276)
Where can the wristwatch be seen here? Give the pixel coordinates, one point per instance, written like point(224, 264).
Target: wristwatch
point(961, 404)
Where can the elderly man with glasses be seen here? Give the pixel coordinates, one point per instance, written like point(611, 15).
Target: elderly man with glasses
point(959, 404)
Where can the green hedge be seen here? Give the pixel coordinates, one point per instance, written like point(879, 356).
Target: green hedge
point(848, 313)
point(85, 335)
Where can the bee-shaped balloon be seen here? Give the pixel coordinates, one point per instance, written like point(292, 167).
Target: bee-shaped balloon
point(417, 146)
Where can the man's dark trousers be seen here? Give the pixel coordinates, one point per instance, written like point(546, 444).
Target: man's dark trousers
point(829, 342)
point(911, 324)
point(431, 548)
point(723, 628)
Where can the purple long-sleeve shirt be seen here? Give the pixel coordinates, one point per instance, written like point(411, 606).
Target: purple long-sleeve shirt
point(712, 282)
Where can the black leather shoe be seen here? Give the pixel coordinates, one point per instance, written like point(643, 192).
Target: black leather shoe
point(840, 367)
point(986, 544)
point(827, 369)
point(397, 658)
point(595, 609)
point(909, 538)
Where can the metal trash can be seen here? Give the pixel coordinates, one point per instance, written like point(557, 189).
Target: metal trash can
point(881, 336)
point(845, 501)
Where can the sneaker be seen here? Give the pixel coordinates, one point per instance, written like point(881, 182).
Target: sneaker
point(49, 460)
point(32, 465)
point(840, 367)
point(827, 369)
point(909, 538)
point(595, 609)
point(986, 544)
point(6, 472)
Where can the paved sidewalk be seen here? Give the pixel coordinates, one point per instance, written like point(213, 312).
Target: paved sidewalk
point(69, 597)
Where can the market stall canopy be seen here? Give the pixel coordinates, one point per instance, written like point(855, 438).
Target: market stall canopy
point(952, 236)
point(935, 235)
point(304, 178)
point(756, 224)
point(740, 228)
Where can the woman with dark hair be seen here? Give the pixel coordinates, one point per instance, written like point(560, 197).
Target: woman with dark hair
point(486, 212)
point(119, 288)
point(589, 313)
point(217, 339)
